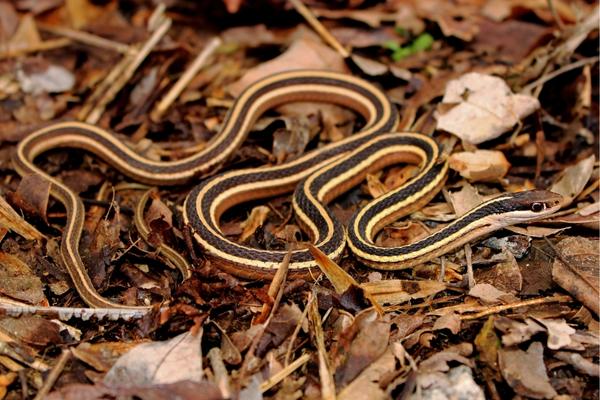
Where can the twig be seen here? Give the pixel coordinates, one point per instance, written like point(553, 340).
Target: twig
point(469, 259)
point(275, 290)
point(294, 335)
point(281, 375)
point(525, 303)
point(325, 374)
point(220, 371)
point(548, 77)
point(128, 72)
point(86, 38)
point(54, 374)
point(50, 44)
point(555, 15)
point(199, 62)
point(319, 28)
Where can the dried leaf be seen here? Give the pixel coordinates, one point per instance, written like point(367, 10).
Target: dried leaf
point(17, 281)
point(516, 332)
point(32, 195)
point(450, 321)
point(397, 291)
point(525, 372)
point(465, 199)
point(256, 219)
point(580, 276)
point(484, 107)
point(480, 165)
point(303, 53)
point(176, 359)
point(369, 344)
point(101, 356)
point(574, 179)
point(559, 333)
point(51, 78)
point(488, 344)
point(487, 293)
point(34, 331)
point(458, 383)
point(10, 220)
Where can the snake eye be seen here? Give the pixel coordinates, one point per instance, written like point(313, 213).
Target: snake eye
point(537, 207)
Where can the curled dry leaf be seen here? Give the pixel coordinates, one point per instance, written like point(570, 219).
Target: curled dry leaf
point(33, 331)
point(367, 384)
point(176, 359)
point(525, 372)
point(483, 107)
point(559, 333)
point(480, 165)
point(574, 179)
point(256, 219)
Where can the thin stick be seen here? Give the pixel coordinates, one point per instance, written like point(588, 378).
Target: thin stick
point(54, 374)
point(116, 87)
point(184, 80)
point(281, 375)
point(50, 44)
point(548, 77)
point(526, 303)
point(319, 28)
point(86, 38)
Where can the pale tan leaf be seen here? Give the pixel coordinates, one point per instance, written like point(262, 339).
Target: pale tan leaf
point(484, 107)
point(480, 165)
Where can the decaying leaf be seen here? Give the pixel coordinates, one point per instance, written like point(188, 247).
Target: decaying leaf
point(10, 220)
point(397, 291)
point(17, 281)
point(525, 371)
point(579, 275)
point(484, 108)
point(574, 179)
point(256, 219)
point(159, 362)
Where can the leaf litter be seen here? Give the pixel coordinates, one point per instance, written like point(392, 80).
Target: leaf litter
point(509, 89)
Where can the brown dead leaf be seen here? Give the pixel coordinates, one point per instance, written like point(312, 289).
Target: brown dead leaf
point(488, 293)
point(256, 219)
point(33, 331)
point(17, 281)
point(450, 321)
point(375, 187)
point(505, 276)
point(574, 179)
point(465, 199)
point(101, 356)
point(438, 362)
point(483, 107)
point(6, 380)
point(26, 35)
point(480, 165)
point(176, 359)
point(587, 216)
point(280, 327)
point(82, 12)
point(525, 372)
point(303, 53)
point(367, 384)
point(32, 195)
point(45, 78)
point(516, 332)
point(397, 291)
point(11, 220)
point(9, 21)
point(367, 345)
point(510, 40)
point(579, 276)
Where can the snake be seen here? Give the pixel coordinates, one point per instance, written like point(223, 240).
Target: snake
point(316, 178)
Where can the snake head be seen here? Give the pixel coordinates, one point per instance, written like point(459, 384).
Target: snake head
point(527, 206)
